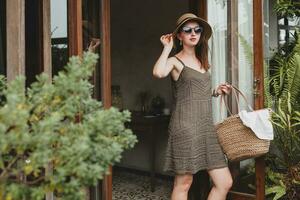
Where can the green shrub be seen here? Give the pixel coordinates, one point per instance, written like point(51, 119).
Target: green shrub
point(59, 126)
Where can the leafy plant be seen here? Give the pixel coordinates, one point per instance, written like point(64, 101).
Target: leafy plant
point(286, 161)
point(284, 83)
point(287, 8)
point(282, 94)
point(285, 91)
point(285, 72)
point(59, 127)
point(278, 187)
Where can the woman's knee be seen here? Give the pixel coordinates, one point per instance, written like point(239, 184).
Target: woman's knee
point(183, 182)
point(224, 186)
point(224, 183)
point(228, 183)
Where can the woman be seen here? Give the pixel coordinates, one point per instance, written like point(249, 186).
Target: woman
point(192, 143)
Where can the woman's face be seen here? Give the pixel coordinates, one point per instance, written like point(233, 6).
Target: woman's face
point(190, 33)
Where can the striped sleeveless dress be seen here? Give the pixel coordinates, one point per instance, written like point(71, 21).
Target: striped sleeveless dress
point(192, 143)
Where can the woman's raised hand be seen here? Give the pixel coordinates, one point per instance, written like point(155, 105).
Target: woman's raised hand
point(167, 40)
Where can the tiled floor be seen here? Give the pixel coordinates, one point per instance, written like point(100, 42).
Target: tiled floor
point(133, 186)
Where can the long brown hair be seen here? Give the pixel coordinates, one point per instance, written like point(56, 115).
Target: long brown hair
point(201, 49)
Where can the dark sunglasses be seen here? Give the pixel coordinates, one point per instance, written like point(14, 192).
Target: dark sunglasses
point(188, 30)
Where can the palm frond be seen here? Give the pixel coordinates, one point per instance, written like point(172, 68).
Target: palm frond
point(248, 50)
point(294, 79)
point(292, 84)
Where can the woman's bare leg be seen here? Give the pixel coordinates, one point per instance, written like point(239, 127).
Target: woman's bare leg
point(182, 184)
point(222, 181)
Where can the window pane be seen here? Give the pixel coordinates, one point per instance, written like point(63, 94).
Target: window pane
point(245, 30)
point(59, 19)
point(59, 35)
point(218, 46)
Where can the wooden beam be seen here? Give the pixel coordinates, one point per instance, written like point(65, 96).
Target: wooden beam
point(106, 80)
point(202, 9)
point(240, 196)
point(199, 8)
point(258, 49)
point(75, 27)
point(47, 59)
point(260, 177)
point(105, 54)
point(47, 56)
point(233, 48)
point(15, 21)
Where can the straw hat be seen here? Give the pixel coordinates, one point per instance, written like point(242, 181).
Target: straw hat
point(207, 30)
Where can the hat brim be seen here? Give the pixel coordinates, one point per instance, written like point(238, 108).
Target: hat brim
point(207, 30)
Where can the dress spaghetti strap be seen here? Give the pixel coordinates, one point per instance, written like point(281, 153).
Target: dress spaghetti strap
point(180, 61)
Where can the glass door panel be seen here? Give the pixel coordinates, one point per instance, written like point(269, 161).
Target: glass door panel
point(231, 47)
point(245, 52)
point(218, 50)
point(232, 56)
point(91, 34)
point(91, 23)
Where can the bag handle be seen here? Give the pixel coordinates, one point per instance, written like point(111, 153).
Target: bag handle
point(236, 92)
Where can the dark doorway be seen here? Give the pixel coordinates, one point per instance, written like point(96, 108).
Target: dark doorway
point(3, 37)
point(33, 39)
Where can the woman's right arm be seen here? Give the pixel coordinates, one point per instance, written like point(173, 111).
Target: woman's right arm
point(164, 65)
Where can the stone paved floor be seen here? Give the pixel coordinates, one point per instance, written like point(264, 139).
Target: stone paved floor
point(132, 186)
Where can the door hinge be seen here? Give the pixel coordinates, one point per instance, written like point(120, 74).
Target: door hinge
point(256, 82)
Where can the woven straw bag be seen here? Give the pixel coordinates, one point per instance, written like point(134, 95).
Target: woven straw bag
point(238, 141)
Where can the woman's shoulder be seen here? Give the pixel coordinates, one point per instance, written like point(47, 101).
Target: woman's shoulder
point(176, 58)
point(172, 60)
point(175, 61)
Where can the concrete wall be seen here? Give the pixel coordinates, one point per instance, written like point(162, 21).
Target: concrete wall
point(136, 28)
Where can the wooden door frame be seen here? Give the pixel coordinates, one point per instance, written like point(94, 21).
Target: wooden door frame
point(76, 48)
point(15, 52)
point(15, 38)
point(258, 49)
point(74, 17)
point(46, 40)
point(258, 74)
point(75, 42)
point(106, 81)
